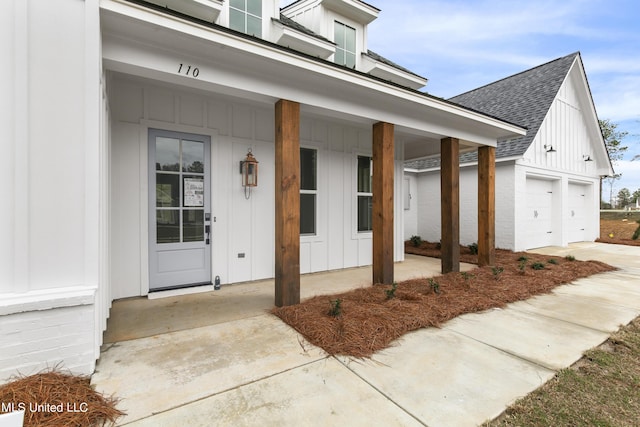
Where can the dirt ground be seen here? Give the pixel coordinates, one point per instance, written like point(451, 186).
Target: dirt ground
point(618, 231)
point(360, 322)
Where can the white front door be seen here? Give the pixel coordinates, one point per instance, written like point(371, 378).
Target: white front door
point(179, 210)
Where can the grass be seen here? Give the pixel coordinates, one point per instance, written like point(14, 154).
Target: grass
point(602, 389)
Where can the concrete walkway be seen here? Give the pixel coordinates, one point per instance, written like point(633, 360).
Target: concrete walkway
point(255, 370)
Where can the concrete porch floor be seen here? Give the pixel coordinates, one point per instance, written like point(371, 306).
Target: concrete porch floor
point(141, 317)
point(255, 370)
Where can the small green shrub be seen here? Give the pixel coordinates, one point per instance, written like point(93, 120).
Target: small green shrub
point(336, 308)
point(522, 264)
point(636, 234)
point(537, 266)
point(553, 261)
point(570, 258)
point(416, 241)
point(435, 286)
point(439, 245)
point(473, 248)
point(391, 293)
point(497, 271)
point(466, 276)
point(523, 259)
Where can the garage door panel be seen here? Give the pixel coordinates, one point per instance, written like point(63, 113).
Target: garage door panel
point(539, 213)
point(577, 215)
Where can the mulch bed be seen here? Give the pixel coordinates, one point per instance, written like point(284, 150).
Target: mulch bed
point(370, 321)
point(53, 398)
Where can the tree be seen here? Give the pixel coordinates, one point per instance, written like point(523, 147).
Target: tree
point(635, 196)
point(613, 139)
point(613, 142)
point(624, 197)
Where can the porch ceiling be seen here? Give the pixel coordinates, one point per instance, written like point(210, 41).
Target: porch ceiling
point(151, 44)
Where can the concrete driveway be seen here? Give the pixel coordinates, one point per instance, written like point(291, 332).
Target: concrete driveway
point(256, 370)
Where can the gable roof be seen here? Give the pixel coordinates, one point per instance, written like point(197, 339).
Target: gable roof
point(523, 99)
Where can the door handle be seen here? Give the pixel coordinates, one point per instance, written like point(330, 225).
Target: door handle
point(207, 230)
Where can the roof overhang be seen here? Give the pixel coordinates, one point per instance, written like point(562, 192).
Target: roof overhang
point(296, 40)
point(207, 10)
point(357, 10)
point(144, 42)
point(387, 72)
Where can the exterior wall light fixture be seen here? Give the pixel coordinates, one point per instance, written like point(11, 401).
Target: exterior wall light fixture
point(587, 158)
point(249, 172)
point(549, 148)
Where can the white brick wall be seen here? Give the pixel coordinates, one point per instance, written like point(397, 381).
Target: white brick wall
point(428, 206)
point(35, 339)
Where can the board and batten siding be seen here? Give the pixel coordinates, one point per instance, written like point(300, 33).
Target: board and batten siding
point(240, 226)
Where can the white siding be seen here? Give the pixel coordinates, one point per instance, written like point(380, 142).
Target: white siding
point(54, 228)
point(241, 226)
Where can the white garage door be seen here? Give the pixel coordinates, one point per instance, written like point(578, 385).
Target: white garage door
point(577, 223)
point(539, 222)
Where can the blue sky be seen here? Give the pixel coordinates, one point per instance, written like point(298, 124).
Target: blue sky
point(460, 45)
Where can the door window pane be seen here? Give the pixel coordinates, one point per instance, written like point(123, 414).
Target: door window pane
point(238, 4)
point(192, 156)
point(307, 214)
point(168, 226)
point(167, 190)
point(167, 154)
point(193, 225)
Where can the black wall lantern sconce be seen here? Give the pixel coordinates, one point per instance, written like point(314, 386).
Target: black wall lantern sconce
point(587, 158)
point(249, 172)
point(549, 148)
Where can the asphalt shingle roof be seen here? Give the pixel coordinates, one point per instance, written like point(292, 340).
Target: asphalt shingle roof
point(523, 99)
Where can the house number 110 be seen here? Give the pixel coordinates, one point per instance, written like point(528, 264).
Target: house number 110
point(188, 70)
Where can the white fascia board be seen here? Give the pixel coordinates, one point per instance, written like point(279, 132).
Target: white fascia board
point(462, 165)
point(308, 44)
point(374, 100)
point(207, 10)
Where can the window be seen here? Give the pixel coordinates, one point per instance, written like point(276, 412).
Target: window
point(364, 194)
point(345, 39)
point(246, 16)
point(308, 190)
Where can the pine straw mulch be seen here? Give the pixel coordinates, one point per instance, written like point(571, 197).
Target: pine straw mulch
point(67, 400)
point(370, 321)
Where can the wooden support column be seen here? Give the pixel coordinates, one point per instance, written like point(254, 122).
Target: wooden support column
point(287, 200)
point(450, 204)
point(486, 206)
point(383, 171)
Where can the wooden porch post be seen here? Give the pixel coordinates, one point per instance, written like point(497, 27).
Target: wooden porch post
point(287, 200)
point(383, 171)
point(486, 206)
point(450, 204)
